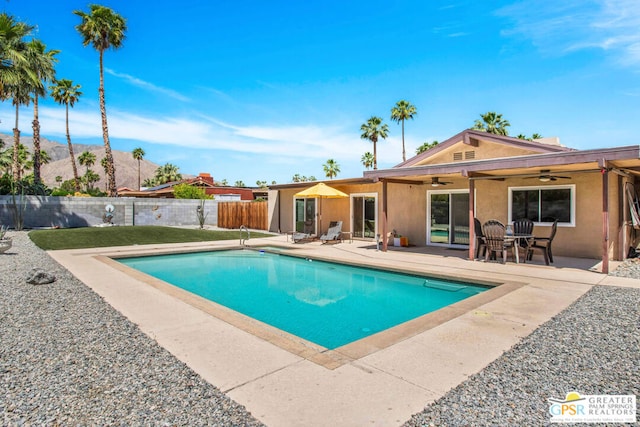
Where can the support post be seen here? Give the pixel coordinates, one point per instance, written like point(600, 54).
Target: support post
point(605, 218)
point(472, 215)
point(384, 216)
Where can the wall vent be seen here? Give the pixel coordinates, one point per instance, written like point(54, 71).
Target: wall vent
point(469, 155)
point(457, 156)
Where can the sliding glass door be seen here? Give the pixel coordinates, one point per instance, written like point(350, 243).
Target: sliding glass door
point(364, 215)
point(305, 215)
point(448, 213)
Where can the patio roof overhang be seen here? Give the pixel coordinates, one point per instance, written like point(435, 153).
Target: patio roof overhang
point(625, 159)
point(622, 160)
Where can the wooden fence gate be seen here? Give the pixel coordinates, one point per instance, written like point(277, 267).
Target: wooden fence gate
point(250, 214)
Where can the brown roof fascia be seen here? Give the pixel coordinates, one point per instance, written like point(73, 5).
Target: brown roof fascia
point(534, 160)
point(332, 183)
point(471, 137)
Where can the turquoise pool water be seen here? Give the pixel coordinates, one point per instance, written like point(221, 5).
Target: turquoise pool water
point(326, 303)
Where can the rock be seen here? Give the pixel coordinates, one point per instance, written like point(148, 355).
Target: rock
point(38, 276)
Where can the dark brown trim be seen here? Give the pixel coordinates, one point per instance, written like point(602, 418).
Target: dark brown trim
point(404, 181)
point(472, 137)
point(531, 161)
point(385, 227)
point(472, 215)
point(605, 218)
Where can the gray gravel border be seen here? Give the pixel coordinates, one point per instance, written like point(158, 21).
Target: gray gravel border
point(592, 347)
point(68, 358)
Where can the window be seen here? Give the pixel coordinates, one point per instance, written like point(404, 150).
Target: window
point(543, 204)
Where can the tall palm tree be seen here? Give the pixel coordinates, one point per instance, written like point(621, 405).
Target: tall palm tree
point(331, 168)
point(492, 122)
point(367, 159)
point(87, 159)
point(41, 63)
point(103, 29)
point(373, 130)
point(65, 92)
point(14, 73)
point(19, 96)
point(12, 52)
point(402, 111)
point(138, 154)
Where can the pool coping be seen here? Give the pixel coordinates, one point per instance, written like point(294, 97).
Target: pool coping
point(327, 358)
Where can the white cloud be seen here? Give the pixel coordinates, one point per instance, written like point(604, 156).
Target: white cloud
point(309, 141)
point(570, 25)
point(148, 86)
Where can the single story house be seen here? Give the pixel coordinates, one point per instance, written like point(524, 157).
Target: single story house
point(433, 197)
point(203, 180)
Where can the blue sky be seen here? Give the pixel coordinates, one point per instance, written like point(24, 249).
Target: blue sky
point(259, 90)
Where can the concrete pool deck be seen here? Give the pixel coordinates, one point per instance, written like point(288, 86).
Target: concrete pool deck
point(382, 387)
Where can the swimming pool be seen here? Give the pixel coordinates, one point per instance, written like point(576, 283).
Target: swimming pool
point(325, 303)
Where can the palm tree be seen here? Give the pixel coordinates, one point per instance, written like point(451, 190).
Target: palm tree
point(149, 182)
point(105, 167)
point(331, 168)
point(492, 122)
point(87, 159)
point(167, 173)
point(104, 29)
point(40, 62)
point(23, 163)
point(536, 136)
point(367, 159)
point(426, 146)
point(20, 96)
point(372, 130)
point(240, 184)
point(65, 92)
point(12, 52)
point(402, 111)
point(138, 154)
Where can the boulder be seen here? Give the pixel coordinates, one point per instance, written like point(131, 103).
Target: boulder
point(38, 276)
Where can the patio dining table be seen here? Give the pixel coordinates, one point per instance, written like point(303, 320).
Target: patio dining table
point(517, 239)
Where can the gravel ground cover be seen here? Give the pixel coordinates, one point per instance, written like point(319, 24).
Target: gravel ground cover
point(68, 358)
point(592, 347)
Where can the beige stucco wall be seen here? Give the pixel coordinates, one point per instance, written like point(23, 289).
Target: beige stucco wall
point(584, 240)
point(407, 206)
point(484, 150)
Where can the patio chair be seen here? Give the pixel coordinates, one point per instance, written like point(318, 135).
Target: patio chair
point(494, 235)
point(480, 242)
point(523, 227)
point(334, 233)
point(304, 236)
point(544, 244)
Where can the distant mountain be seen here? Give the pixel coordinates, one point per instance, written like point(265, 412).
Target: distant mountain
point(126, 165)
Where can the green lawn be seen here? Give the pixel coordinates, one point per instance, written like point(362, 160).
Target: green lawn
point(97, 237)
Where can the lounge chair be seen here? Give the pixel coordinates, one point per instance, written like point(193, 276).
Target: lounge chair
point(304, 236)
point(334, 233)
